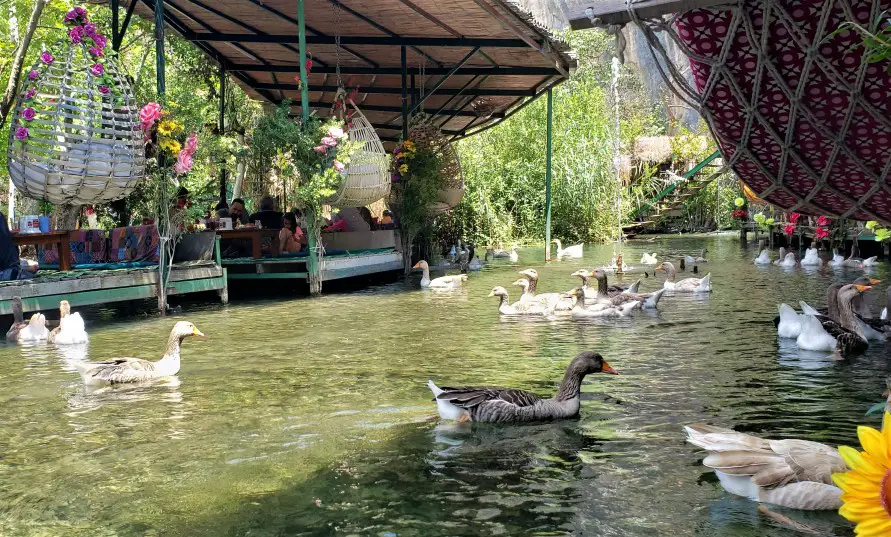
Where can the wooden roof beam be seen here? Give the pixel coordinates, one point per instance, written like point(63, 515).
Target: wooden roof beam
point(396, 41)
point(600, 13)
point(398, 91)
point(350, 70)
point(398, 109)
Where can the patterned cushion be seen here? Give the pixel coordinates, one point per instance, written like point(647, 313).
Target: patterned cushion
point(134, 243)
point(88, 246)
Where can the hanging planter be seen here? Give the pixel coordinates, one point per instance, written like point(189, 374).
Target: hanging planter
point(428, 135)
point(76, 137)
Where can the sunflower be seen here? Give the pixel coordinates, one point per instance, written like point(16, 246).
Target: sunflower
point(170, 145)
point(867, 486)
point(403, 168)
point(167, 127)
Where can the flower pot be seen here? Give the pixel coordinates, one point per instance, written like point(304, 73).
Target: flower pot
point(44, 223)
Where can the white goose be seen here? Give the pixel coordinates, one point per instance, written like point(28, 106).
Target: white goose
point(838, 260)
point(811, 258)
point(790, 322)
point(687, 285)
point(71, 329)
point(789, 261)
point(779, 260)
point(581, 311)
point(574, 251)
point(36, 329)
point(648, 259)
point(790, 473)
point(763, 258)
point(443, 282)
point(845, 336)
point(518, 308)
point(513, 255)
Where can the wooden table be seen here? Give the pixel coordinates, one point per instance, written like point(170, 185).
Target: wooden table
point(48, 239)
point(255, 236)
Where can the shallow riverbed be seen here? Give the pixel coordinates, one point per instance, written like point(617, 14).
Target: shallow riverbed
point(312, 416)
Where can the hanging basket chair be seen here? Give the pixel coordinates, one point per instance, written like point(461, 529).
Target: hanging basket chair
point(83, 143)
point(367, 178)
point(428, 134)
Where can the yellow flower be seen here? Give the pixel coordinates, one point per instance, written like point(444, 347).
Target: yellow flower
point(168, 127)
point(170, 145)
point(866, 488)
point(409, 145)
point(403, 168)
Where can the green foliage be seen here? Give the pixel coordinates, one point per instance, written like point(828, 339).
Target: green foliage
point(419, 167)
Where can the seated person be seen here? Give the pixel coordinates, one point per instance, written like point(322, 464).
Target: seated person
point(348, 219)
point(11, 267)
point(366, 215)
point(268, 217)
point(387, 218)
point(291, 238)
point(237, 212)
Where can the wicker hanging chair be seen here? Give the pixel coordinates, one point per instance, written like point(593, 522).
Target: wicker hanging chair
point(367, 178)
point(428, 134)
point(83, 145)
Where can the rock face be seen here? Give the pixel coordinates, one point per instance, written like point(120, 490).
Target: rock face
point(552, 14)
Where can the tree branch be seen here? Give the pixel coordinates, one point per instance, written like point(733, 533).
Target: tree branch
point(15, 73)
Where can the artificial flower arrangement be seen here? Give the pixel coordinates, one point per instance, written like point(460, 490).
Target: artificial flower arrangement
point(740, 213)
point(166, 139)
point(866, 487)
point(881, 232)
point(83, 33)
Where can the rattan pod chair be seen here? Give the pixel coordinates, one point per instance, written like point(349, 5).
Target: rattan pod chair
point(429, 135)
point(83, 146)
point(367, 177)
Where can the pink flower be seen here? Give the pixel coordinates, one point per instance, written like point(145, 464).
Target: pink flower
point(789, 229)
point(191, 145)
point(104, 90)
point(95, 52)
point(82, 13)
point(794, 218)
point(335, 132)
point(97, 69)
point(320, 149)
point(21, 133)
point(329, 141)
point(89, 29)
point(821, 233)
point(28, 114)
point(47, 58)
point(183, 163)
point(339, 166)
point(150, 113)
point(30, 93)
point(822, 221)
point(70, 16)
point(308, 65)
point(100, 41)
point(33, 75)
point(76, 34)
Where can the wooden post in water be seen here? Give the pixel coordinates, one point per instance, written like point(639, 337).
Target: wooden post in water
point(548, 155)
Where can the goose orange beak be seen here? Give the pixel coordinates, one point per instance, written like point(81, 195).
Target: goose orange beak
point(873, 281)
point(659, 267)
point(606, 368)
point(196, 332)
point(863, 288)
point(417, 265)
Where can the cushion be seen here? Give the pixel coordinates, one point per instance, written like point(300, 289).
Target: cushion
point(87, 246)
point(134, 243)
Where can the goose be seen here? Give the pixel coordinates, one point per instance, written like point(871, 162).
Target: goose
point(884, 315)
point(527, 299)
point(811, 258)
point(796, 474)
point(574, 251)
point(18, 320)
point(613, 265)
point(602, 285)
point(35, 331)
point(869, 261)
point(443, 282)
point(506, 308)
point(701, 258)
point(763, 258)
point(559, 301)
point(500, 252)
point(647, 300)
point(475, 264)
point(582, 311)
point(789, 323)
point(514, 256)
point(837, 260)
point(789, 261)
point(648, 259)
point(71, 329)
point(503, 405)
point(687, 285)
point(782, 257)
point(844, 336)
point(121, 370)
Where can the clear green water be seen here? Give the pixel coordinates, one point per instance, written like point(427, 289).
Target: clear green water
point(311, 417)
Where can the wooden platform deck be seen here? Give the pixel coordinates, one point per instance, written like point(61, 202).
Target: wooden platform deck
point(337, 266)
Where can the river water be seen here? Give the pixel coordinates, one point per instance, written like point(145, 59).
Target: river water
point(309, 417)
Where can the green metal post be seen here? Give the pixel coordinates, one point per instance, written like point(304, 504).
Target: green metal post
point(548, 176)
point(314, 277)
point(159, 47)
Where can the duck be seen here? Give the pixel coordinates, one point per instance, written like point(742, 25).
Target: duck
point(71, 329)
point(782, 257)
point(475, 265)
point(495, 404)
point(580, 310)
point(763, 258)
point(518, 308)
point(648, 259)
point(573, 252)
point(125, 370)
point(35, 331)
point(796, 474)
point(789, 261)
point(18, 320)
point(819, 333)
point(443, 282)
point(811, 258)
point(558, 300)
point(647, 300)
point(514, 257)
point(611, 290)
point(687, 285)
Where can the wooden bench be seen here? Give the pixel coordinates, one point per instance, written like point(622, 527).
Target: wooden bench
point(59, 238)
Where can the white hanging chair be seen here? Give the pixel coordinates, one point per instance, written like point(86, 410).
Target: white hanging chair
point(367, 178)
point(82, 147)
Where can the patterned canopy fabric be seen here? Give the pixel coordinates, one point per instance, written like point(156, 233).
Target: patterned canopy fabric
point(798, 112)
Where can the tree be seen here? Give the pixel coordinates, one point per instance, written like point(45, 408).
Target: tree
point(15, 72)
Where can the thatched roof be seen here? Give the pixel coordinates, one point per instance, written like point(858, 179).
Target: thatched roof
point(256, 41)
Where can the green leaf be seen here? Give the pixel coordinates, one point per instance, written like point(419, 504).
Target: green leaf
point(871, 224)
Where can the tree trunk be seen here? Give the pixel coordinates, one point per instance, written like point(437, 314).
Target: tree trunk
point(66, 217)
point(240, 168)
point(15, 73)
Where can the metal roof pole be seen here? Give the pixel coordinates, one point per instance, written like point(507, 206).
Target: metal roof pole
point(222, 128)
point(115, 25)
point(404, 89)
point(548, 175)
point(313, 272)
point(159, 48)
point(301, 40)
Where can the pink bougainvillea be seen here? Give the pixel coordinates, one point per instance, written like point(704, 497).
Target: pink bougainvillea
point(28, 114)
point(821, 233)
point(789, 229)
point(47, 58)
point(97, 69)
point(794, 217)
